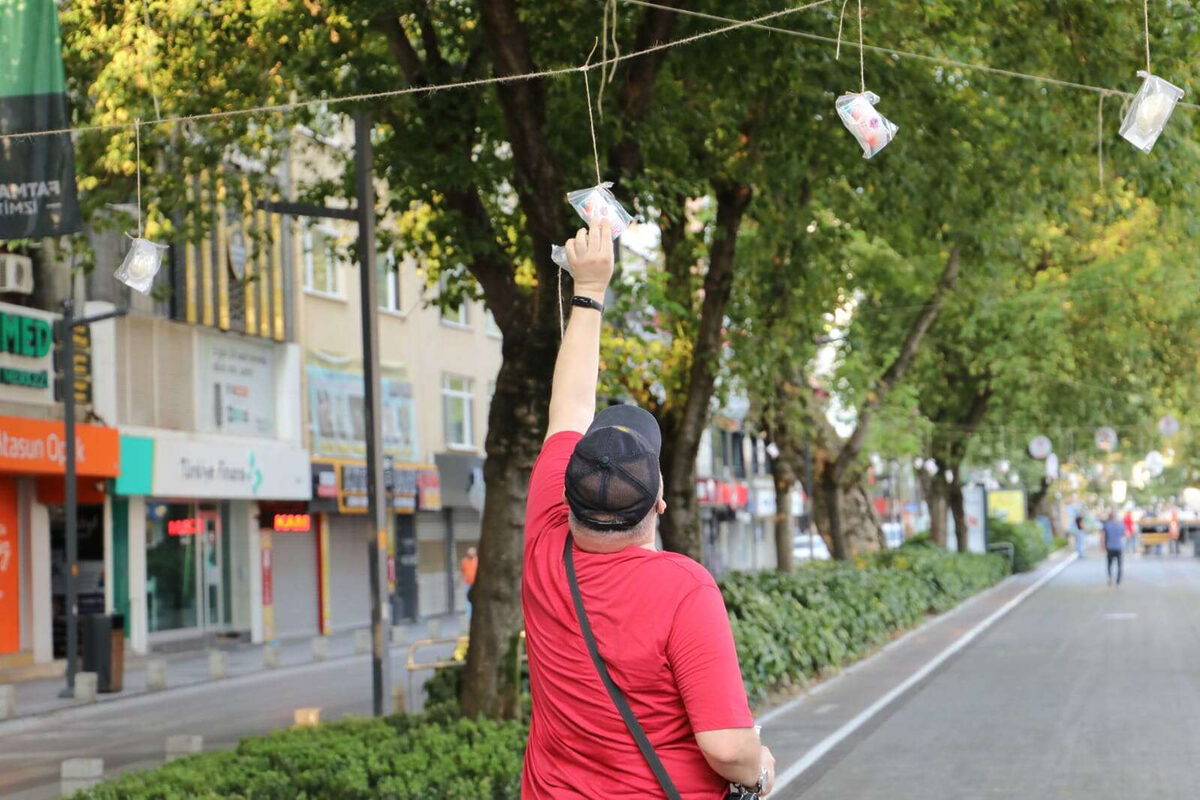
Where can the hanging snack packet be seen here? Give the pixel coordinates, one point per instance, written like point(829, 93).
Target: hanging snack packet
point(872, 130)
point(597, 203)
point(558, 254)
point(1151, 108)
point(141, 264)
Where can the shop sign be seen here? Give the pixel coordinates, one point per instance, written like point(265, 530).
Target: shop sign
point(38, 446)
point(26, 354)
point(189, 468)
point(711, 492)
point(237, 386)
point(335, 408)
point(408, 486)
point(184, 527)
point(10, 580)
point(292, 523)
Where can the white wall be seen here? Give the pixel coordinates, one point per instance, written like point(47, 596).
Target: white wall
point(138, 621)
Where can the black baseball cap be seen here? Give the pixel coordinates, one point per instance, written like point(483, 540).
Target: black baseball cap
point(613, 476)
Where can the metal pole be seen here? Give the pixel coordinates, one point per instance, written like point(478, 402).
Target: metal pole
point(381, 678)
point(72, 531)
point(808, 497)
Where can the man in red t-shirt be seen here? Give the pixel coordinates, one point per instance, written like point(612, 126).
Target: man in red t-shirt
point(658, 618)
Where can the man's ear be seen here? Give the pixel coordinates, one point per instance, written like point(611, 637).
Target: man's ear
point(661, 508)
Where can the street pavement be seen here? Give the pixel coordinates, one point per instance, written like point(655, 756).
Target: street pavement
point(129, 732)
point(1083, 691)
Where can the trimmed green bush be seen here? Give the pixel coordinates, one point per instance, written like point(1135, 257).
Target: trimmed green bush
point(789, 628)
point(1028, 540)
point(1058, 543)
point(398, 757)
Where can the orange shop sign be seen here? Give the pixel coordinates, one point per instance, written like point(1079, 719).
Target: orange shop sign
point(39, 446)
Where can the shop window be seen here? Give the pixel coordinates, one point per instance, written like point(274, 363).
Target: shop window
point(457, 408)
point(738, 460)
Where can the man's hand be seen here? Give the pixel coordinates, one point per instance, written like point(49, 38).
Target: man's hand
point(768, 763)
point(590, 255)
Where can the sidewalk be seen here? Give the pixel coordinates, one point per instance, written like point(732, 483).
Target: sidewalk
point(810, 731)
point(191, 667)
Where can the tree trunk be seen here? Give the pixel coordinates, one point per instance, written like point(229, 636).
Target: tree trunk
point(683, 422)
point(936, 497)
point(516, 424)
point(784, 541)
point(958, 510)
point(845, 516)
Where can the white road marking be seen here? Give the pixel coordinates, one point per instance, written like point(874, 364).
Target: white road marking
point(1121, 615)
point(825, 709)
point(841, 734)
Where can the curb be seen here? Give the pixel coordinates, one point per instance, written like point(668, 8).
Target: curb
point(822, 748)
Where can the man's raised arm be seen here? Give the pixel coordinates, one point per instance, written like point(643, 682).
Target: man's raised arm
point(573, 396)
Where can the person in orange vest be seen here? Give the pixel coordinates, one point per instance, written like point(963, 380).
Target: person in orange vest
point(1174, 528)
point(468, 567)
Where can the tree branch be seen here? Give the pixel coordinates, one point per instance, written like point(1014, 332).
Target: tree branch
point(904, 359)
point(636, 95)
point(401, 48)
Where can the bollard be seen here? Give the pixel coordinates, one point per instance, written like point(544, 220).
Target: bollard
point(270, 656)
point(85, 687)
point(218, 664)
point(77, 774)
point(306, 718)
point(8, 702)
point(362, 642)
point(184, 744)
point(397, 634)
point(398, 704)
point(156, 674)
point(320, 648)
point(435, 628)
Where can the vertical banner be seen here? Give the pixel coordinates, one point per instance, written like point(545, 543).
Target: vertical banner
point(268, 587)
point(37, 174)
point(10, 571)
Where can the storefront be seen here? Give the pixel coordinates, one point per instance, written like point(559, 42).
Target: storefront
point(339, 509)
point(189, 524)
point(724, 520)
point(445, 538)
point(33, 531)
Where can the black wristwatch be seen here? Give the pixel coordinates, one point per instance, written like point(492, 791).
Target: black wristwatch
point(587, 302)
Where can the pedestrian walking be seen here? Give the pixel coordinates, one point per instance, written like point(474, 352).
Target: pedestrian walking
point(633, 670)
point(1131, 531)
point(468, 566)
point(1080, 536)
point(1114, 545)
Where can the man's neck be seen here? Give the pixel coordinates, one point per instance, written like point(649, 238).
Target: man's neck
point(605, 543)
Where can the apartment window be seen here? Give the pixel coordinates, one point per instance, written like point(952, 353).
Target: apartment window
point(457, 407)
point(322, 261)
point(738, 460)
point(457, 316)
point(389, 283)
point(489, 325)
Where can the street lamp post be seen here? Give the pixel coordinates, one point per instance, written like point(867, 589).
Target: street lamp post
point(377, 510)
point(67, 331)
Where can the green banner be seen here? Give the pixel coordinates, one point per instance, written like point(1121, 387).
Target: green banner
point(37, 174)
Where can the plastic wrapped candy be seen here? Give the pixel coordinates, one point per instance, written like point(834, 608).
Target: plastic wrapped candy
point(597, 203)
point(872, 130)
point(1151, 108)
point(141, 264)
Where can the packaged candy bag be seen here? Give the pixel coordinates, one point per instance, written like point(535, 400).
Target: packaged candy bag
point(596, 203)
point(872, 130)
point(1148, 114)
point(558, 254)
point(141, 264)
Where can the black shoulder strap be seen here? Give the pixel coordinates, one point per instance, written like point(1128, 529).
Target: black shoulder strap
point(618, 698)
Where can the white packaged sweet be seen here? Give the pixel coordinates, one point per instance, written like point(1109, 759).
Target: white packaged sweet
point(141, 264)
point(597, 203)
point(872, 130)
point(1148, 114)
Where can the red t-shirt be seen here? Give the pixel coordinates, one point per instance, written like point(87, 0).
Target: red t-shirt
point(660, 624)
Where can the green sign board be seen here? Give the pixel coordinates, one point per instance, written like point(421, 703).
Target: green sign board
point(26, 345)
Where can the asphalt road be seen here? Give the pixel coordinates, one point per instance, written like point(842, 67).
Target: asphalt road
point(132, 734)
point(1083, 691)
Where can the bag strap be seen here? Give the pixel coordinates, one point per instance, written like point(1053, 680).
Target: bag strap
point(618, 698)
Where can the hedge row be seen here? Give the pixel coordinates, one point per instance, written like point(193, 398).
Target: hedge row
point(1028, 540)
point(787, 628)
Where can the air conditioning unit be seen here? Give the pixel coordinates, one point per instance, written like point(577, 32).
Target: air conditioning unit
point(16, 274)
